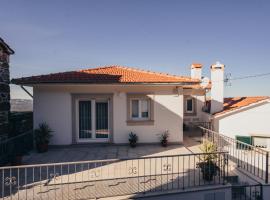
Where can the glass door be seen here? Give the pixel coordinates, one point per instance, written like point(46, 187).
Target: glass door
point(93, 120)
point(85, 120)
point(102, 120)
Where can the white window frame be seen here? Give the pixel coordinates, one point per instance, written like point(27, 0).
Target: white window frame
point(140, 118)
point(186, 107)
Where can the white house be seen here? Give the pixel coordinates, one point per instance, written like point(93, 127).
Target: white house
point(246, 119)
point(105, 104)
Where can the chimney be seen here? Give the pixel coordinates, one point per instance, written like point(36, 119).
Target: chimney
point(217, 90)
point(196, 71)
point(5, 51)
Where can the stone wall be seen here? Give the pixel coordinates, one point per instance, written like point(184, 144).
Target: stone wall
point(4, 91)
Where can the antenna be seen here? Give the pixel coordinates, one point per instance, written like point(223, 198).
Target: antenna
point(227, 79)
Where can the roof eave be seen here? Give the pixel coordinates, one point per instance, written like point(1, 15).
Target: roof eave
point(219, 115)
point(25, 83)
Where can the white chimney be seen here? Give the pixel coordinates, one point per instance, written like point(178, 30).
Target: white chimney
point(196, 71)
point(217, 90)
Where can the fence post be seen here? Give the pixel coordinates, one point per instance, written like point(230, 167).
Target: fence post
point(266, 167)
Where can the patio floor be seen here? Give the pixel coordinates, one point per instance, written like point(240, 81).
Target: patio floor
point(100, 152)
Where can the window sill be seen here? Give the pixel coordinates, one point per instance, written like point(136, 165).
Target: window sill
point(190, 114)
point(140, 122)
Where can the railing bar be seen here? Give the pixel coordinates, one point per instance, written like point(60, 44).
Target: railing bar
point(183, 174)
point(33, 180)
point(54, 177)
point(167, 169)
point(178, 176)
point(3, 183)
point(194, 170)
point(10, 184)
point(18, 184)
point(161, 170)
point(75, 190)
point(61, 181)
point(68, 180)
point(40, 182)
point(150, 175)
point(48, 180)
point(199, 171)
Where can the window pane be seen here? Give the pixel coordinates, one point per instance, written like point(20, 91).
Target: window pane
point(135, 108)
point(145, 108)
point(102, 120)
point(85, 119)
point(190, 105)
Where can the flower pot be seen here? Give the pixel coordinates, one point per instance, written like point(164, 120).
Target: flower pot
point(41, 148)
point(164, 143)
point(133, 145)
point(16, 160)
point(209, 170)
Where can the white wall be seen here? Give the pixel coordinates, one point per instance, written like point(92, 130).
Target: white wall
point(53, 104)
point(168, 115)
point(254, 121)
point(54, 108)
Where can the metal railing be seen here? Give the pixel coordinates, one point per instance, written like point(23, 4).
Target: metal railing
point(247, 157)
point(115, 177)
point(250, 192)
point(15, 146)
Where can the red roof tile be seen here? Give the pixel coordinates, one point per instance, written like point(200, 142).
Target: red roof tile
point(231, 104)
point(106, 75)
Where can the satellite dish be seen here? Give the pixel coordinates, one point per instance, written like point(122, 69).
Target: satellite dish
point(205, 82)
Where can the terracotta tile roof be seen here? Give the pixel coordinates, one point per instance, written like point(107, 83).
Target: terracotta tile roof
point(106, 75)
point(234, 103)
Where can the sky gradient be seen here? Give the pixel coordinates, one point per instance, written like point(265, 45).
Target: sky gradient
point(165, 36)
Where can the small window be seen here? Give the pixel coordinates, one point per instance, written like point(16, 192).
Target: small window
point(189, 105)
point(140, 108)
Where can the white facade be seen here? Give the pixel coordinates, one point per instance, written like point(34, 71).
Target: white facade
point(53, 105)
point(250, 121)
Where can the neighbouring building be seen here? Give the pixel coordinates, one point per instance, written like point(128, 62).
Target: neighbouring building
point(5, 52)
point(246, 119)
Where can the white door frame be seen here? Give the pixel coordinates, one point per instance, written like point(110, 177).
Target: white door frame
point(93, 121)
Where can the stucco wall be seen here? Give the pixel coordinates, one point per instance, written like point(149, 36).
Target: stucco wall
point(253, 121)
point(199, 97)
point(53, 104)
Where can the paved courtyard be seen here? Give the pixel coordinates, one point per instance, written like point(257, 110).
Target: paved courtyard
point(104, 151)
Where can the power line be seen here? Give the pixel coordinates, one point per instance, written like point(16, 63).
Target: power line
point(227, 79)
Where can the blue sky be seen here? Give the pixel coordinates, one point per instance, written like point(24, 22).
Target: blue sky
point(166, 36)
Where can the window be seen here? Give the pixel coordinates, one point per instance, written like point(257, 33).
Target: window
point(140, 109)
point(190, 105)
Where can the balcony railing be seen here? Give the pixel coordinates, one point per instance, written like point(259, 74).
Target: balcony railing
point(108, 178)
point(18, 145)
point(247, 157)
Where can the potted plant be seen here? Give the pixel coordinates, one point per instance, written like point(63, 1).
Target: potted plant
point(133, 138)
point(208, 165)
point(42, 137)
point(164, 138)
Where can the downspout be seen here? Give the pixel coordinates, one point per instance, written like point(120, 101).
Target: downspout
point(27, 91)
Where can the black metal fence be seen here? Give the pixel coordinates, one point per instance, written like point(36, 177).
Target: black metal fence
point(107, 178)
point(247, 157)
point(247, 192)
point(17, 146)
